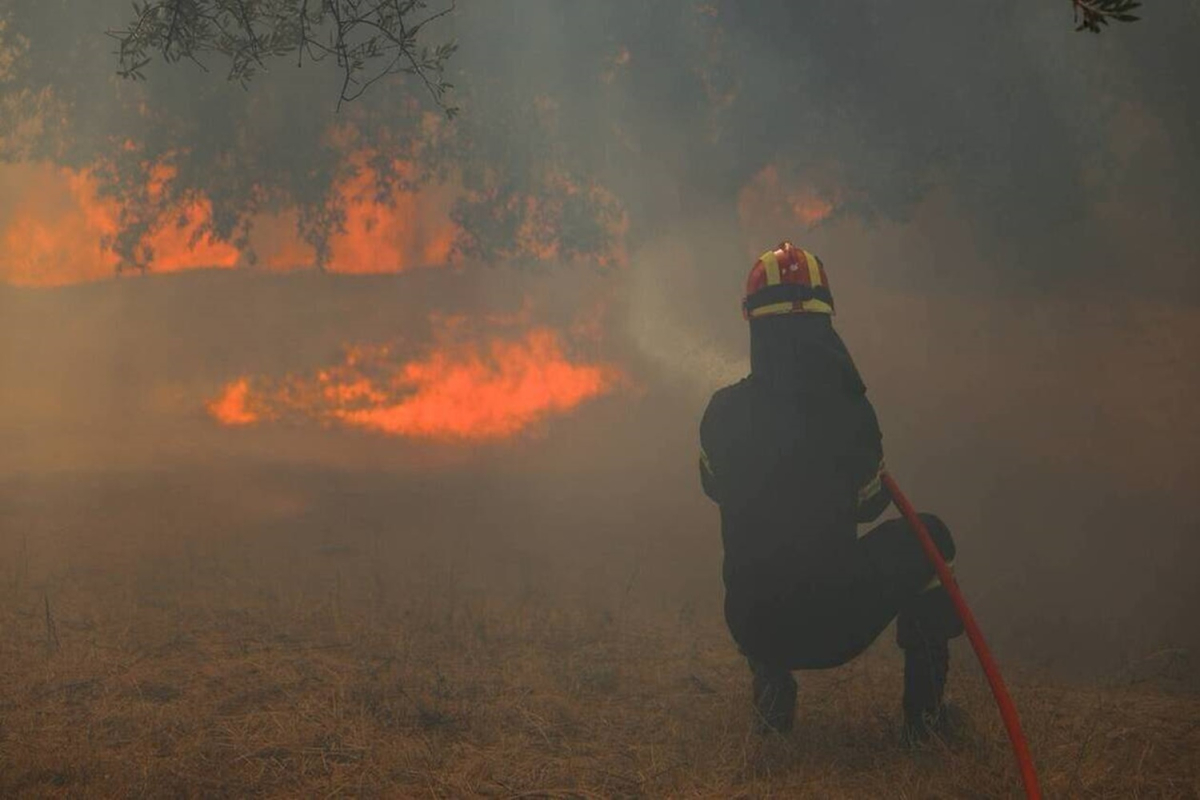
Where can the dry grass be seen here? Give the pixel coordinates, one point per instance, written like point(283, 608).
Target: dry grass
point(279, 667)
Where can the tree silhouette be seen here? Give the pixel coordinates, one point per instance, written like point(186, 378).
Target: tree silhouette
point(1092, 15)
point(599, 123)
point(367, 39)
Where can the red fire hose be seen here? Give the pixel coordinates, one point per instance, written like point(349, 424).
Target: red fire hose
point(1008, 711)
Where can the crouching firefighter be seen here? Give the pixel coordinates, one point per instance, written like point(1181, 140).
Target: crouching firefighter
point(792, 454)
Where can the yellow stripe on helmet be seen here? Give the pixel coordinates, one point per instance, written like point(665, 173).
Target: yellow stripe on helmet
point(814, 269)
point(771, 266)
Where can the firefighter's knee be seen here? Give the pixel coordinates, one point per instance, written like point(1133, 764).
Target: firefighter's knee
point(940, 534)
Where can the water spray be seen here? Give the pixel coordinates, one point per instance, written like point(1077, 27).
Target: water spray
point(1008, 711)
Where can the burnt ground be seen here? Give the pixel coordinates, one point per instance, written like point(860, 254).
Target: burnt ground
point(229, 633)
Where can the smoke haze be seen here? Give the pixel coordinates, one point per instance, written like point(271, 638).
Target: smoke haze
point(1004, 208)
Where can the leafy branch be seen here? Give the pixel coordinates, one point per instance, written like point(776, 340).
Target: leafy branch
point(1092, 15)
point(367, 39)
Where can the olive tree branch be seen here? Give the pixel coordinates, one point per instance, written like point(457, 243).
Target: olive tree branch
point(1093, 15)
point(368, 39)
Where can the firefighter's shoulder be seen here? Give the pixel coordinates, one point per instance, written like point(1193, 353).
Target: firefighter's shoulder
point(728, 398)
point(726, 403)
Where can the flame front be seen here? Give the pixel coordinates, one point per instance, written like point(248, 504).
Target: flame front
point(61, 232)
point(460, 391)
point(63, 228)
point(229, 408)
point(400, 230)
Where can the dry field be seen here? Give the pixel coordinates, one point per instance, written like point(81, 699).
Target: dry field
point(302, 658)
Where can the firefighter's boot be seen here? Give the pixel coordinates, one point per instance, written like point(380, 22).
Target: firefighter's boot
point(923, 631)
point(774, 698)
point(925, 669)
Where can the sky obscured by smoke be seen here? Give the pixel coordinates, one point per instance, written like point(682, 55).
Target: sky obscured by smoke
point(1004, 208)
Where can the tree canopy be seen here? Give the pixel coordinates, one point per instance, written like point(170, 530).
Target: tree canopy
point(368, 41)
point(583, 123)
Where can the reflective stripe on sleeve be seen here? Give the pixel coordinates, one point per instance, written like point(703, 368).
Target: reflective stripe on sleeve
point(873, 486)
point(936, 582)
point(814, 269)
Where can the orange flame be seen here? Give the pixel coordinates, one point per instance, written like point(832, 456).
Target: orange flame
point(59, 231)
point(767, 201)
point(56, 228)
point(461, 391)
point(392, 233)
point(53, 232)
point(229, 408)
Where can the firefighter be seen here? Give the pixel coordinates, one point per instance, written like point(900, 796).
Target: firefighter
point(792, 455)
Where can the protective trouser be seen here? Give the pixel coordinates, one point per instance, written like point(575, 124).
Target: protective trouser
point(774, 697)
point(885, 576)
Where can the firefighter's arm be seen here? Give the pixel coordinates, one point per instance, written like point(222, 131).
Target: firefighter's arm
point(708, 478)
point(708, 474)
point(873, 496)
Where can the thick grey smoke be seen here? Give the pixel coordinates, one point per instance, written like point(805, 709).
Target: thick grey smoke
point(1008, 237)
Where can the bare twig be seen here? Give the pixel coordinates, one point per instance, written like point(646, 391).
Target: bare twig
point(369, 41)
point(1092, 15)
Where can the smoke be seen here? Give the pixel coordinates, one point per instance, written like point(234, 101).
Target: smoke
point(666, 320)
point(1003, 207)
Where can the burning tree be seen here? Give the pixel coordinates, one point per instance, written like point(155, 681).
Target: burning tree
point(584, 128)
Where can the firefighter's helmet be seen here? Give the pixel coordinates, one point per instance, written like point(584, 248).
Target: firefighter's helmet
point(787, 280)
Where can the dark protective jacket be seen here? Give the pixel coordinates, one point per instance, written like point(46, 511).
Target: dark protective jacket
point(793, 455)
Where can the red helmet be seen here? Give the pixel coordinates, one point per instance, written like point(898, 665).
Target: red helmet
point(787, 280)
